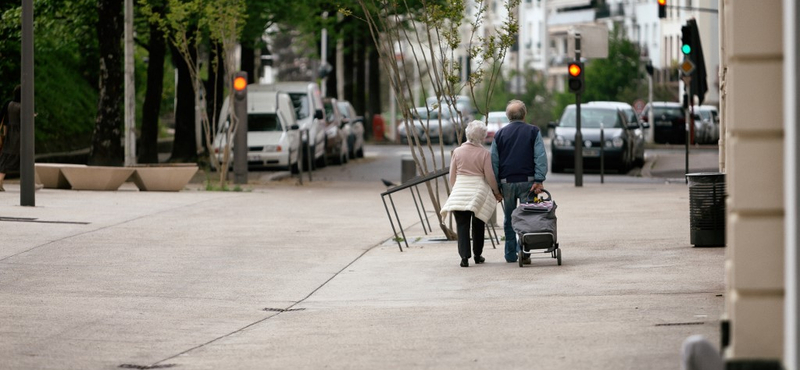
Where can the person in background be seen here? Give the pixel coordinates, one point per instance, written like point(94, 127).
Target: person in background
point(519, 161)
point(9, 156)
point(474, 196)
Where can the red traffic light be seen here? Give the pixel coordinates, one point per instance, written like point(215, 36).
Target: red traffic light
point(239, 83)
point(574, 70)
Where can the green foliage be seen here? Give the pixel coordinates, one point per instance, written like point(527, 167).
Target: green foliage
point(65, 57)
point(65, 104)
point(536, 97)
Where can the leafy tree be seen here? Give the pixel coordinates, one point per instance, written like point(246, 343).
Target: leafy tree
point(185, 24)
point(620, 77)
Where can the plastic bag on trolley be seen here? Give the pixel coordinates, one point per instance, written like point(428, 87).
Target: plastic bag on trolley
point(536, 217)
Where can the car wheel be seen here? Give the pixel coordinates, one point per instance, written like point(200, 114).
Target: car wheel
point(556, 167)
point(295, 168)
point(360, 152)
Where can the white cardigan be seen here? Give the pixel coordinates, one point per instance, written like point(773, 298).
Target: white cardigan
point(471, 193)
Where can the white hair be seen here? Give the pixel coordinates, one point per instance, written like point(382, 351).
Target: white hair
point(476, 132)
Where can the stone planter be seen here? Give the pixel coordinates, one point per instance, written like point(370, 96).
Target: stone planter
point(51, 176)
point(96, 177)
point(163, 177)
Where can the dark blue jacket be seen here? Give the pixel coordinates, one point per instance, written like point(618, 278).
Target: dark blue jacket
point(518, 153)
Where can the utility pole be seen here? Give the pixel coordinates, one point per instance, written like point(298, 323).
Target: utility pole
point(130, 95)
point(27, 178)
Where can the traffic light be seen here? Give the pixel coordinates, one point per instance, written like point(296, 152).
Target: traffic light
point(240, 85)
point(686, 40)
point(575, 79)
point(662, 8)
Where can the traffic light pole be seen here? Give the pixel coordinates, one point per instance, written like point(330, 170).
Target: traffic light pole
point(240, 138)
point(688, 86)
point(578, 135)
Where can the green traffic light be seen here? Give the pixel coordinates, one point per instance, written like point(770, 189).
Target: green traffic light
point(686, 49)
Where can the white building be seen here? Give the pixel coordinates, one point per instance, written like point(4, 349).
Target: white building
point(544, 26)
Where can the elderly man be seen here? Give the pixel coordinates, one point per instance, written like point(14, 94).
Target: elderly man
point(520, 166)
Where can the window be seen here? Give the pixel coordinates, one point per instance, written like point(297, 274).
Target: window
point(302, 107)
point(263, 122)
point(592, 118)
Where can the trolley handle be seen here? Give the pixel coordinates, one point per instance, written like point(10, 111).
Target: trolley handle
point(532, 200)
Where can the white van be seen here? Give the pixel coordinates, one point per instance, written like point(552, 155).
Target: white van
point(273, 137)
point(310, 113)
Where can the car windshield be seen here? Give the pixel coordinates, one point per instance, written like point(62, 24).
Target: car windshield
point(668, 112)
point(301, 105)
point(592, 118)
point(343, 109)
point(705, 114)
point(263, 122)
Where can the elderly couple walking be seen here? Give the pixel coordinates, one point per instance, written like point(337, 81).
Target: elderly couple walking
point(517, 162)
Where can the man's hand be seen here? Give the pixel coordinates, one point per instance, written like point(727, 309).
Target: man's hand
point(537, 187)
point(498, 197)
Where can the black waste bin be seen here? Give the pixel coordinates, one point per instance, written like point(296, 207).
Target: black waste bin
point(707, 209)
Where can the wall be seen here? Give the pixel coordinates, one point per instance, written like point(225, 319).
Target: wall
point(753, 52)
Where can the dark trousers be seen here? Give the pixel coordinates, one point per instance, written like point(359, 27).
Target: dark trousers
point(463, 219)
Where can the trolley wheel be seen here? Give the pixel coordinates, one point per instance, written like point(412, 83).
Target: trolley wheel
point(558, 256)
point(521, 255)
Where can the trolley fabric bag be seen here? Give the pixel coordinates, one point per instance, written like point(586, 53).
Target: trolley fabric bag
point(535, 218)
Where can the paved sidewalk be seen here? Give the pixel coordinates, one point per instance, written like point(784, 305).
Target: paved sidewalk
point(306, 277)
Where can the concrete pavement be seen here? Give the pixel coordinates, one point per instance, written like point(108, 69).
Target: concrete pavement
point(307, 277)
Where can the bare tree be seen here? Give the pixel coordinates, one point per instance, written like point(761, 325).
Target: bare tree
point(423, 38)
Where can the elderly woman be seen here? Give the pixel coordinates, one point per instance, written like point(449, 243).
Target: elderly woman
point(475, 195)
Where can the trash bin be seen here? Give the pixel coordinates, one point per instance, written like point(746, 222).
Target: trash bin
point(707, 209)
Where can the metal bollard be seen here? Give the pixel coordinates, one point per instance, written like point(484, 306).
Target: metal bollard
point(408, 168)
point(602, 153)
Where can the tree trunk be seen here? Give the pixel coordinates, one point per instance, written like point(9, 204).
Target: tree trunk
point(184, 147)
point(359, 99)
point(349, 64)
point(374, 82)
point(151, 110)
point(330, 85)
point(215, 86)
point(249, 63)
point(106, 147)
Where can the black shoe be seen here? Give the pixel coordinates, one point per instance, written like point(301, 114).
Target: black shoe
point(479, 259)
point(465, 262)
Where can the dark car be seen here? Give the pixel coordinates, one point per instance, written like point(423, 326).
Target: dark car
point(670, 122)
point(336, 149)
point(620, 138)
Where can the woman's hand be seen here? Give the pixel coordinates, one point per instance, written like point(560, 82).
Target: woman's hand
point(498, 197)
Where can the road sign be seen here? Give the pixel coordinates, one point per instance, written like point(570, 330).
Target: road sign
point(687, 67)
point(638, 106)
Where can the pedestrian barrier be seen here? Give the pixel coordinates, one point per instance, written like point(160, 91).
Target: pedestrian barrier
point(412, 184)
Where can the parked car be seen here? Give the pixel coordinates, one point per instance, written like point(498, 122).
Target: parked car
point(336, 146)
point(639, 134)
point(709, 117)
point(670, 122)
point(430, 126)
point(463, 106)
point(494, 122)
point(273, 137)
point(310, 114)
point(354, 127)
point(620, 138)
